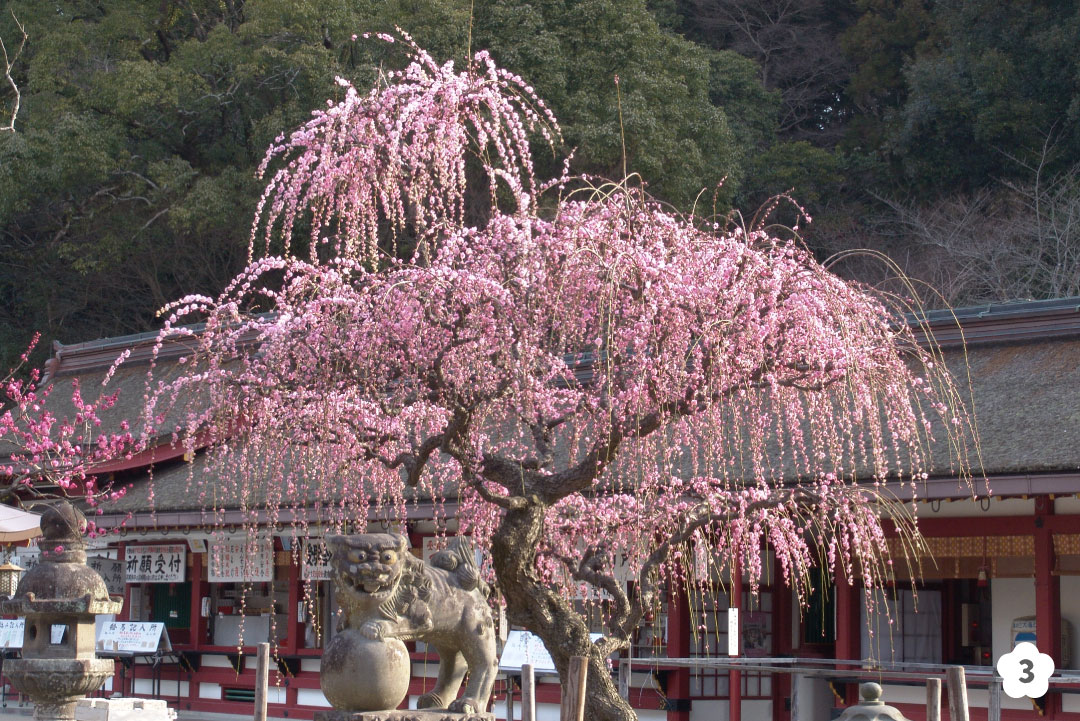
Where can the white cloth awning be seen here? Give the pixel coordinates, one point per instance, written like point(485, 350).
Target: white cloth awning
point(16, 525)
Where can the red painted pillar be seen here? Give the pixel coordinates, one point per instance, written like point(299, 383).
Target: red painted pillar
point(295, 624)
point(847, 630)
point(678, 646)
point(735, 676)
point(782, 609)
point(1047, 595)
point(198, 623)
point(124, 615)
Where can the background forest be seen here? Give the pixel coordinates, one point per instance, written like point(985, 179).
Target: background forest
point(942, 133)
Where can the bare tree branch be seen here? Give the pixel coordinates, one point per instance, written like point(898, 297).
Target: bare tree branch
point(9, 64)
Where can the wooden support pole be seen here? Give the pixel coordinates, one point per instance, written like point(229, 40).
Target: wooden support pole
point(262, 680)
point(528, 693)
point(994, 713)
point(933, 699)
point(509, 698)
point(573, 690)
point(624, 679)
point(796, 680)
point(956, 683)
point(1047, 594)
point(735, 642)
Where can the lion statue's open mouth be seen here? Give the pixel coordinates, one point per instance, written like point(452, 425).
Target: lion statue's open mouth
point(372, 587)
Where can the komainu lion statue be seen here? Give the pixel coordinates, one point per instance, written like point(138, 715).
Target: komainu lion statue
point(386, 592)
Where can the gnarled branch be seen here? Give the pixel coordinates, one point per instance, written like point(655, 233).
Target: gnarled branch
point(9, 64)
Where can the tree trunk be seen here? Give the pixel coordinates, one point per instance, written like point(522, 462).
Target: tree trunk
point(546, 614)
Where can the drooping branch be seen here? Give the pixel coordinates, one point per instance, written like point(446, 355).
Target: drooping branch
point(725, 362)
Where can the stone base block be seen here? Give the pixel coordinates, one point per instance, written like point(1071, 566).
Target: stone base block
point(428, 714)
point(123, 709)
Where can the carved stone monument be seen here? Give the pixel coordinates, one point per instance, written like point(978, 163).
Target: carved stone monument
point(388, 596)
point(59, 599)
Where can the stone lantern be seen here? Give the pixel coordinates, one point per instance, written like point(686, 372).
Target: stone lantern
point(872, 707)
point(59, 598)
point(9, 578)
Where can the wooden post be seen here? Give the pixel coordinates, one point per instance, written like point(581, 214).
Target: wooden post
point(262, 680)
point(735, 642)
point(796, 679)
point(624, 679)
point(956, 683)
point(509, 697)
point(995, 700)
point(528, 693)
point(1047, 595)
point(933, 699)
point(573, 690)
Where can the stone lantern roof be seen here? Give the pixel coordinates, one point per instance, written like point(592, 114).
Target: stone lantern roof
point(66, 585)
point(872, 707)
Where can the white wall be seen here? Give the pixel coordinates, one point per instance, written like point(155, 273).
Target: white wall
point(145, 687)
point(311, 697)
point(210, 690)
point(717, 710)
point(1070, 611)
point(1011, 598)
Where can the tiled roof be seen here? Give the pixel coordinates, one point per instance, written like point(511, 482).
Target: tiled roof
point(1023, 360)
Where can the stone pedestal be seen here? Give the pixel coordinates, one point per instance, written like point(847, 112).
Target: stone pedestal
point(123, 709)
point(55, 684)
point(427, 714)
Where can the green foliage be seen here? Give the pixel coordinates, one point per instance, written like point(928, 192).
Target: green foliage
point(965, 92)
point(674, 136)
point(809, 173)
point(130, 179)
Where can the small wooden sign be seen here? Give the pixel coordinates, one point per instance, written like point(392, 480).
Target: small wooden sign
point(130, 636)
point(11, 632)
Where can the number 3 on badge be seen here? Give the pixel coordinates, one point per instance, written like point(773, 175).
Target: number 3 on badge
point(1025, 672)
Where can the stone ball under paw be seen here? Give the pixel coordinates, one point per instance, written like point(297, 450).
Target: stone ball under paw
point(361, 674)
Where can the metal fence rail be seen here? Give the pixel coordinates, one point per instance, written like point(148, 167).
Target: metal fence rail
point(956, 678)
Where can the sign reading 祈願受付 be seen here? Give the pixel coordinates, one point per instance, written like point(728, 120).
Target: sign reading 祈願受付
point(234, 562)
point(155, 564)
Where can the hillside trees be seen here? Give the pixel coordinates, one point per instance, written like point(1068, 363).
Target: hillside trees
point(587, 374)
point(133, 152)
point(990, 85)
point(142, 124)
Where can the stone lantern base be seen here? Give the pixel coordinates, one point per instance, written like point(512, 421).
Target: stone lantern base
point(56, 684)
point(428, 714)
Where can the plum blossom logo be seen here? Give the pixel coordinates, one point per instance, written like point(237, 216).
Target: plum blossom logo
point(1025, 671)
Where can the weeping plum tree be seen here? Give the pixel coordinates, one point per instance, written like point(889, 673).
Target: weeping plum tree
point(585, 373)
point(46, 454)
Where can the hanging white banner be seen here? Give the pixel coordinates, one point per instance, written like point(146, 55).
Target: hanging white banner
point(155, 564)
point(314, 560)
point(237, 562)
